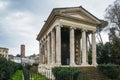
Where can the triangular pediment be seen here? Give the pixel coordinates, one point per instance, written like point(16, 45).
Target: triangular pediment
point(79, 13)
point(77, 16)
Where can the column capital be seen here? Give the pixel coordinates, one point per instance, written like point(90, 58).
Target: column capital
point(93, 32)
point(84, 30)
point(58, 25)
point(72, 28)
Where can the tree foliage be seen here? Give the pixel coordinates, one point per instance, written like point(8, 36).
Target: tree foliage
point(115, 50)
point(113, 14)
point(110, 51)
point(103, 53)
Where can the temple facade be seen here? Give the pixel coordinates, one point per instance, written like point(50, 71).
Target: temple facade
point(65, 38)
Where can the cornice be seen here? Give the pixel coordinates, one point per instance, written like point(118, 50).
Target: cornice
point(78, 20)
point(57, 13)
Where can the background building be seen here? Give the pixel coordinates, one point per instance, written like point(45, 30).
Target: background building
point(4, 52)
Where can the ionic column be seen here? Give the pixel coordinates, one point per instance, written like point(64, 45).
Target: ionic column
point(39, 52)
point(48, 49)
point(84, 59)
point(87, 48)
point(43, 53)
point(94, 61)
point(45, 44)
point(72, 47)
point(53, 46)
point(58, 45)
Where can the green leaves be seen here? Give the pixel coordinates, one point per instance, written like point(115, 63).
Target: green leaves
point(65, 73)
point(7, 68)
point(110, 70)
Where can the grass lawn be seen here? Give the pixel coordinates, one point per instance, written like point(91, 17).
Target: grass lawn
point(17, 75)
point(37, 77)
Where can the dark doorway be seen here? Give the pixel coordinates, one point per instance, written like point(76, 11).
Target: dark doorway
point(65, 51)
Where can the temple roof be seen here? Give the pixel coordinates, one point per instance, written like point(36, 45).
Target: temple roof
point(74, 13)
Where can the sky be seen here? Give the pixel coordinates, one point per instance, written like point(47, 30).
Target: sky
point(22, 20)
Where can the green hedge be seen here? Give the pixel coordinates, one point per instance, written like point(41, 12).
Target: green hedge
point(65, 73)
point(26, 73)
point(110, 70)
point(7, 68)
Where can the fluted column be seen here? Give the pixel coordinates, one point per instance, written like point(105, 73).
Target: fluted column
point(87, 60)
point(45, 45)
point(84, 59)
point(53, 46)
point(58, 45)
point(94, 61)
point(72, 47)
point(43, 53)
point(39, 51)
point(48, 50)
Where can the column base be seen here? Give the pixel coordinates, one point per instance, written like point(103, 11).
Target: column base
point(58, 64)
point(94, 64)
point(72, 64)
point(85, 64)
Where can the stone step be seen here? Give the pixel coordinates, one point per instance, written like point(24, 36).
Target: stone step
point(91, 73)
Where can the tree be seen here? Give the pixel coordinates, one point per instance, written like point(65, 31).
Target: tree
point(103, 53)
point(18, 55)
point(113, 14)
point(115, 50)
point(113, 17)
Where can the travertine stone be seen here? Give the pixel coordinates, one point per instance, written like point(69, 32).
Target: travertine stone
point(53, 46)
point(94, 62)
point(48, 50)
point(72, 47)
point(84, 59)
point(58, 45)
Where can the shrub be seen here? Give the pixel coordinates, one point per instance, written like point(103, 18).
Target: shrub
point(110, 70)
point(65, 73)
point(34, 69)
point(26, 73)
point(7, 68)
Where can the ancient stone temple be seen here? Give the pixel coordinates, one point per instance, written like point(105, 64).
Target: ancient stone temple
point(63, 40)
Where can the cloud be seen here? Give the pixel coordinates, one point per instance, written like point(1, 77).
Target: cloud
point(21, 28)
point(3, 5)
point(19, 22)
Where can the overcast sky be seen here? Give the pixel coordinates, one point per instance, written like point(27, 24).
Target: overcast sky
point(21, 20)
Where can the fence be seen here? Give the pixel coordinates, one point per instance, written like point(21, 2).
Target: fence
point(28, 75)
point(46, 72)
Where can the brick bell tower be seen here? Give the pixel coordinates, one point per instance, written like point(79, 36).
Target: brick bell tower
point(22, 50)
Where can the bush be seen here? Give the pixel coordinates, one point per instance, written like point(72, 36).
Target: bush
point(7, 68)
point(65, 73)
point(26, 73)
point(110, 70)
